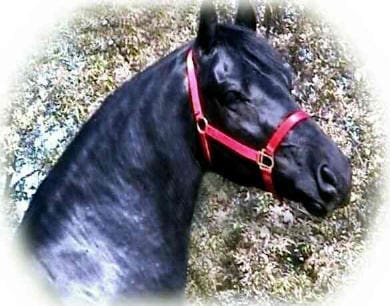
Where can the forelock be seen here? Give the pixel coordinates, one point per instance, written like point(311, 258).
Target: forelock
point(254, 50)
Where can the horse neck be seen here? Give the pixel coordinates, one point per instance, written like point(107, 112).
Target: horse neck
point(168, 122)
point(138, 151)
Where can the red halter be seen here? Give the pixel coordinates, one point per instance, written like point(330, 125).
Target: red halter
point(264, 158)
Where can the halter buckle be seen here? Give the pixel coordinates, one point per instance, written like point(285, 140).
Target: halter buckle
point(201, 124)
point(265, 161)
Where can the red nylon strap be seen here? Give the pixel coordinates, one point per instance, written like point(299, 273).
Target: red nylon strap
point(277, 137)
point(264, 158)
point(196, 106)
point(232, 144)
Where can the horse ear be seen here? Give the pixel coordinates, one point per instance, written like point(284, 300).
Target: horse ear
point(246, 15)
point(207, 25)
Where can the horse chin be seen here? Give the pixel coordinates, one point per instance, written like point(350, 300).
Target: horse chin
point(316, 209)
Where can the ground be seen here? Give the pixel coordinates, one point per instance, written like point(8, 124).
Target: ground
point(243, 243)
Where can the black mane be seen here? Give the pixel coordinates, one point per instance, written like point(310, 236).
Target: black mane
point(255, 51)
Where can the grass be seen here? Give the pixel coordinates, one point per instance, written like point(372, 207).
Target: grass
point(243, 243)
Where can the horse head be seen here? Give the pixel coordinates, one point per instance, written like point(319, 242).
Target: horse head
point(245, 89)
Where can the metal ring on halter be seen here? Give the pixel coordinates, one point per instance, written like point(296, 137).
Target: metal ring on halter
point(201, 125)
point(265, 161)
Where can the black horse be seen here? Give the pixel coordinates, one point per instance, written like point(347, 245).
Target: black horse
point(112, 217)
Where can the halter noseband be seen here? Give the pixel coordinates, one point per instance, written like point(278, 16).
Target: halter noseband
point(264, 157)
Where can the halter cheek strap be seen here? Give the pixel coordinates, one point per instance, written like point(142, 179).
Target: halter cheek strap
point(264, 157)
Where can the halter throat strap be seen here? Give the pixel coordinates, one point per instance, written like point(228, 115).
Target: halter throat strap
point(263, 157)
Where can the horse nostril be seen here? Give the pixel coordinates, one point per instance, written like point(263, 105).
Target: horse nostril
point(327, 183)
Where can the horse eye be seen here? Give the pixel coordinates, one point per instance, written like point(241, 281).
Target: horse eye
point(233, 96)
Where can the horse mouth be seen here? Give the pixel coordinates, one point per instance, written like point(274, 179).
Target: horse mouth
point(316, 209)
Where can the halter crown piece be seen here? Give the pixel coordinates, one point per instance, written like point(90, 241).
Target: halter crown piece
point(264, 157)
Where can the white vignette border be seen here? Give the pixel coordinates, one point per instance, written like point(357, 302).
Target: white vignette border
point(364, 23)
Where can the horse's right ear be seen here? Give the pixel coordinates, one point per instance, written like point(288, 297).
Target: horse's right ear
point(207, 25)
point(246, 15)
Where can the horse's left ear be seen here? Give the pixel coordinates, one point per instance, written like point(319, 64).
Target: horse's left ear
point(207, 25)
point(246, 15)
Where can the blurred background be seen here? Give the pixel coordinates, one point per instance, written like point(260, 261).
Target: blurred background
point(244, 244)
